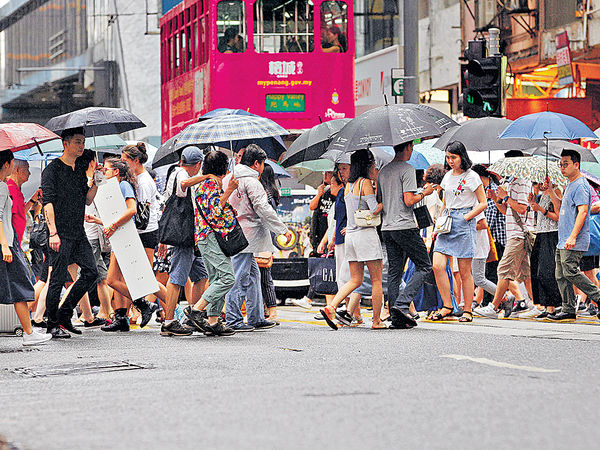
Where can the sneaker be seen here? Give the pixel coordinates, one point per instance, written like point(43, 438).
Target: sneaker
point(592, 310)
point(174, 329)
point(36, 337)
point(242, 328)
point(41, 324)
point(146, 310)
point(531, 314)
point(344, 317)
point(507, 306)
point(543, 315)
point(97, 322)
point(221, 329)
point(563, 317)
point(318, 317)
point(68, 325)
point(58, 333)
point(265, 325)
point(487, 311)
point(302, 303)
point(519, 307)
point(197, 319)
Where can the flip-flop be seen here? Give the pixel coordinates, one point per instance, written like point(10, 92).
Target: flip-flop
point(400, 318)
point(330, 322)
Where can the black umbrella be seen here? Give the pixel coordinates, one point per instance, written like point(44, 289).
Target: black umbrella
point(554, 148)
point(311, 144)
point(168, 153)
point(391, 125)
point(96, 121)
point(481, 135)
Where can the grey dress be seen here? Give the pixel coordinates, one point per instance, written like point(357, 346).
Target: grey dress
point(15, 281)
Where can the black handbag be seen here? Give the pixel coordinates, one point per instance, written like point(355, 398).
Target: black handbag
point(423, 217)
point(322, 276)
point(142, 215)
point(38, 237)
point(233, 242)
point(176, 225)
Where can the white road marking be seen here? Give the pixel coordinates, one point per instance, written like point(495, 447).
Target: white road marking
point(491, 362)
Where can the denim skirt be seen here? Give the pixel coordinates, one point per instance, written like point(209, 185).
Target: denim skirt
point(15, 281)
point(462, 239)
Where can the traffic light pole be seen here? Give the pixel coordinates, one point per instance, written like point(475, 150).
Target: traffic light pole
point(411, 51)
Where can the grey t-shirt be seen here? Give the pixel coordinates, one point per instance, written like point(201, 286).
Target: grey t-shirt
point(394, 180)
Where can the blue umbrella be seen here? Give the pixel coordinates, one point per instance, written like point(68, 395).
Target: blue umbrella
point(280, 172)
point(418, 161)
point(548, 125)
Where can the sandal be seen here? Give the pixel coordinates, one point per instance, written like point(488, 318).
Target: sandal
point(466, 319)
point(439, 316)
point(329, 318)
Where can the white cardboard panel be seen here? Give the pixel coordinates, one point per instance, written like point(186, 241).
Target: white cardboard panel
point(125, 242)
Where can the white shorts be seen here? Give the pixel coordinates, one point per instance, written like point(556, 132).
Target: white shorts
point(363, 245)
point(342, 269)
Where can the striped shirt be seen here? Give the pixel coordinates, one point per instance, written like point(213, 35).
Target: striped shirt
point(518, 190)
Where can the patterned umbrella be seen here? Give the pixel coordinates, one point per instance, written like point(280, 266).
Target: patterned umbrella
point(530, 168)
point(229, 128)
point(21, 136)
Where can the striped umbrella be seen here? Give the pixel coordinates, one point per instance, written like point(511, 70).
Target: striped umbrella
point(229, 128)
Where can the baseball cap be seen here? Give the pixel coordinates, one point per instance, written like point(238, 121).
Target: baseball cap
point(191, 155)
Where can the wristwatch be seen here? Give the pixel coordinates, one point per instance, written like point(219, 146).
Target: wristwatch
point(505, 199)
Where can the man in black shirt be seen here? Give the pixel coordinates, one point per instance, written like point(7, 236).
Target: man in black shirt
point(66, 192)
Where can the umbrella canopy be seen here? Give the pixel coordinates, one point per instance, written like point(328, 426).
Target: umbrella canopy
point(318, 165)
point(96, 121)
point(168, 153)
point(548, 125)
point(432, 155)
point(224, 112)
point(112, 144)
point(383, 156)
point(21, 136)
point(530, 168)
point(553, 149)
point(591, 171)
point(229, 128)
point(311, 144)
point(391, 125)
point(280, 172)
point(481, 135)
point(308, 176)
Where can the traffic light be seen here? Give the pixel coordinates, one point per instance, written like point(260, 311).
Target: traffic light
point(483, 80)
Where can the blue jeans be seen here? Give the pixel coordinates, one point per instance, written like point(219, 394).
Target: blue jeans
point(246, 287)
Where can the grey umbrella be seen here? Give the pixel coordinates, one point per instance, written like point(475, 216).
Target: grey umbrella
point(96, 121)
point(554, 149)
point(311, 144)
point(391, 125)
point(168, 153)
point(481, 135)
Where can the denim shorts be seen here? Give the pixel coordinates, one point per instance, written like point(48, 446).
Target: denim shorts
point(462, 239)
point(184, 264)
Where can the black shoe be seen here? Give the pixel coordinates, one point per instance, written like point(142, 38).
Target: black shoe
point(344, 317)
point(543, 315)
point(59, 333)
point(146, 310)
point(563, 317)
point(120, 323)
point(243, 328)
point(175, 329)
point(221, 329)
point(97, 322)
point(520, 306)
point(264, 325)
point(42, 324)
point(197, 319)
point(507, 306)
point(400, 318)
point(67, 325)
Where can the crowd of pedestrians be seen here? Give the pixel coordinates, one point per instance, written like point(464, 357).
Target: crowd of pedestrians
point(478, 248)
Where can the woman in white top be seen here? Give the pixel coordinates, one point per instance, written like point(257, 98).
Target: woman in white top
point(147, 197)
point(464, 200)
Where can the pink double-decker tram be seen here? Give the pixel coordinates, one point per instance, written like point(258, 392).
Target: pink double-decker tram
point(288, 60)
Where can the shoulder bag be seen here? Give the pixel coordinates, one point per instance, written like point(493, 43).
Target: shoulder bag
point(38, 237)
point(142, 215)
point(529, 236)
point(176, 225)
point(233, 242)
point(443, 224)
point(365, 218)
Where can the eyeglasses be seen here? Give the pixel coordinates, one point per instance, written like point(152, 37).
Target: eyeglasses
point(563, 165)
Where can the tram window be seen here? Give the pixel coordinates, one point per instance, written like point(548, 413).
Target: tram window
point(283, 26)
point(231, 27)
point(334, 27)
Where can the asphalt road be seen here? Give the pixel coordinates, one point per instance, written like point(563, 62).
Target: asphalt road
point(490, 384)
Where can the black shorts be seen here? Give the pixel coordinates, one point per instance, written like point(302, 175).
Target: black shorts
point(149, 239)
point(589, 263)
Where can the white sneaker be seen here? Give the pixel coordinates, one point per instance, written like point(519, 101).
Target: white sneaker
point(302, 303)
point(36, 337)
point(530, 314)
point(487, 311)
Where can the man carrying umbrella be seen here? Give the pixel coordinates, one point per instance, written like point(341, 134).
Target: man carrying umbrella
point(396, 187)
point(573, 237)
point(65, 194)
